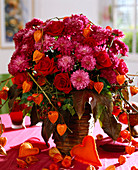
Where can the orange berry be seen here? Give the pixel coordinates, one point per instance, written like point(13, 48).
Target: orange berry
point(134, 168)
point(109, 28)
point(99, 137)
point(121, 159)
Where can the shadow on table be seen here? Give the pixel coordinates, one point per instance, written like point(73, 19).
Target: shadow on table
point(9, 129)
point(107, 148)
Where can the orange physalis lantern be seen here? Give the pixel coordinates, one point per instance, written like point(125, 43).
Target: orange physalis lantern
point(121, 159)
point(57, 157)
point(37, 98)
point(3, 141)
point(66, 161)
point(37, 35)
point(31, 159)
point(27, 86)
point(109, 28)
point(5, 88)
point(53, 116)
point(26, 149)
point(41, 81)
point(98, 86)
point(130, 149)
point(61, 129)
point(133, 90)
point(21, 163)
point(111, 167)
point(3, 94)
point(120, 79)
point(86, 32)
point(37, 56)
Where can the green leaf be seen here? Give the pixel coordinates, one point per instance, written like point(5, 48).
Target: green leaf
point(69, 107)
point(105, 82)
point(99, 110)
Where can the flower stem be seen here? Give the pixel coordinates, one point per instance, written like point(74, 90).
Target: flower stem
point(41, 90)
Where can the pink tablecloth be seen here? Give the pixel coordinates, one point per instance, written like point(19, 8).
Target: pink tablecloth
point(16, 137)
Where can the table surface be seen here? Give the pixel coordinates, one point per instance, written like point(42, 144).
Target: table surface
point(18, 136)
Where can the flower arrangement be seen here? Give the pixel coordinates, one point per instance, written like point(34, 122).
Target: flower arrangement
point(63, 63)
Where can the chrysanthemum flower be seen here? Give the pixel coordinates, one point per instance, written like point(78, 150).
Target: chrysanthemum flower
point(82, 50)
point(47, 43)
point(88, 62)
point(122, 67)
point(75, 24)
point(100, 35)
point(109, 74)
point(80, 79)
point(65, 63)
point(17, 64)
point(64, 45)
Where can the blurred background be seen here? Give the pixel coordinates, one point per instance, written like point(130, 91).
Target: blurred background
point(120, 14)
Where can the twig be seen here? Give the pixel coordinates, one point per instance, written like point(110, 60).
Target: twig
point(3, 103)
point(129, 104)
point(6, 79)
point(41, 90)
point(132, 75)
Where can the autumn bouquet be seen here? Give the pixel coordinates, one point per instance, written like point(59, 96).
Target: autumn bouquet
point(63, 63)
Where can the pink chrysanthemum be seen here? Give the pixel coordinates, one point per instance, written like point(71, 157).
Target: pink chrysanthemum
point(18, 37)
point(88, 62)
point(75, 24)
point(114, 59)
point(17, 64)
point(33, 22)
point(109, 74)
point(100, 34)
point(118, 33)
point(82, 50)
point(47, 43)
point(119, 47)
point(64, 45)
point(65, 63)
point(24, 40)
point(78, 38)
point(80, 79)
point(122, 67)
